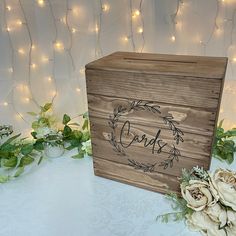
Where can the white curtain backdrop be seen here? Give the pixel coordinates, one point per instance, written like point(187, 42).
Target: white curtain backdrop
point(45, 44)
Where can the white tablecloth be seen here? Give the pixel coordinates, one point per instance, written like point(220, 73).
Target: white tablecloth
point(62, 197)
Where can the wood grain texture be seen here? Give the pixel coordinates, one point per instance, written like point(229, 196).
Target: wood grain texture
point(191, 120)
point(139, 144)
point(182, 91)
point(162, 64)
point(103, 150)
point(123, 173)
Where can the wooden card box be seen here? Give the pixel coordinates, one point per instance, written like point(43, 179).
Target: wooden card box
point(152, 115)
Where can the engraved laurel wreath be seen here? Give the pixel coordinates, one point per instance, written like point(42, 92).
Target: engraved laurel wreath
point(168, 120)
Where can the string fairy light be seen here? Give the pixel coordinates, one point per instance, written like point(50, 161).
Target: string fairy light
point(70, 35)
point(98, 25)
point(54, 52)
point(141, 29)
point(214, 29)
point(10, 95)
point(29, 53)
point(174, 19)
point(131, 36)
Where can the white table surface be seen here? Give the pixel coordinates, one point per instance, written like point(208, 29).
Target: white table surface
point(62, 197)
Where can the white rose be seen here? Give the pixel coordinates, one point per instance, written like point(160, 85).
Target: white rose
point(200, 221)
point(223, 187)
point(217, 214)
point(197, 195)
point(231, 218)
point(231, 231)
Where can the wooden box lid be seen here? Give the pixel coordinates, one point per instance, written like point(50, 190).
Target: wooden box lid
point(163, 64)
point(152, 115)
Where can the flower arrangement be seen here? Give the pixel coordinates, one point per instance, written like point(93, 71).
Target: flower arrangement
point(207, 202)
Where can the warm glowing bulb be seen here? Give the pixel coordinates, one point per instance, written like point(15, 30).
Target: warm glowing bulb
point(140, 30)
point(27, 99)
point(19, 22)
point(96, 29)
point(173, 38)
point(41, 3)
point(126, 39)
point(33, 65)
point(63, 19)
point(234, 59)
point(58, 46)
point(21, 51)
point(8, 29)
point(137, 12)
point(53, 93)
point(78, 89)
point(45, 59)
point(33, 46)
point(8, 8)
point(105, 7)
point(82, 71)
point(73, 30)
point(5, 104)
point(75, 10)
point(49, 78)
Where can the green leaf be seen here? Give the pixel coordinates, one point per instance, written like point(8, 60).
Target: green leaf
point(38, 145)
point(32, 113)
point(40, 159)
point(27, 149)
point(34, 134)
point(35, 125)
point(4, 179)
point(12, 162)
point(67, 130)
point(66, 119)
point(221, 123)
point(85, 115)
point(26, 160)
point(78, 134)
point(230, 158)
point(86, 136)
point(85, 124)
point(19, 171)
point(10, 140)
point(80, 155)
point(46, 107)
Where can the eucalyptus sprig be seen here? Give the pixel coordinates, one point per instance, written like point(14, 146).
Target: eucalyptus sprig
point(180, 209)
point(224, 146)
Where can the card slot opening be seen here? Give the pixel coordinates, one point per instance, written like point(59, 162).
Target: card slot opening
point(159, 60)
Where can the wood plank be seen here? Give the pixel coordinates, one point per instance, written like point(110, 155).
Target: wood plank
point(191, 120)
point(164, 64)
point(190, 92)
point(152, 181)
point(194, 146)
point(103, 150)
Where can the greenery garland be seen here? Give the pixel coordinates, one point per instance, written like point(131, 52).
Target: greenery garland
point(224, 146)
point(16, 152)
